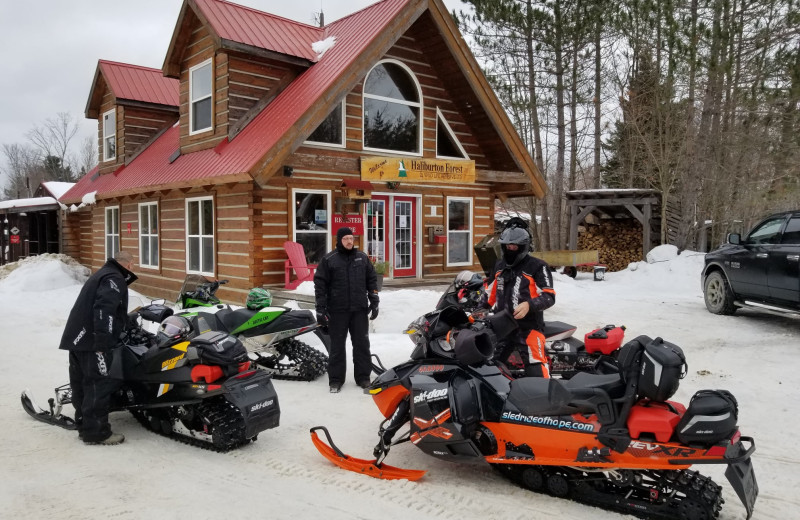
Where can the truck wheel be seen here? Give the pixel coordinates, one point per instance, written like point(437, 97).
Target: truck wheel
point(718, 295)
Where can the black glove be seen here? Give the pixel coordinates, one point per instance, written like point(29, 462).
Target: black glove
point(323, 320)
point(373, 307)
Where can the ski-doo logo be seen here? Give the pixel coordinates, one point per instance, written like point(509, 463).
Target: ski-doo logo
point(110, 324)
point(431, 395)
point(261, 405)
point(113, 285)
point(550, 422)
point(430, 368)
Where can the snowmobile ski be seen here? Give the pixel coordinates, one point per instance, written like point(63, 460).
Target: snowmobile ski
point(53, 416)
point(366, 467)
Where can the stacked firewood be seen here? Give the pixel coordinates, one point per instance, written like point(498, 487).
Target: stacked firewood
point(619, 242)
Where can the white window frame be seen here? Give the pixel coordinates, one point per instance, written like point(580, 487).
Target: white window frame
point(440, 117)
point(469, 231)
point(343, 144)
point(192, 100)
point(201, 236)
point(145, 262)
point(114, 219)
point(328, 201)
point(420, 105)
point(106, 155)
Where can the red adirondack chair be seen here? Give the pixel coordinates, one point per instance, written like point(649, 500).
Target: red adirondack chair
point(303, 271)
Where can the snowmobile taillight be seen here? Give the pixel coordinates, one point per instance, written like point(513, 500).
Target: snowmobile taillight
point(244, 366)
point(208, 372)
point(211, 388)
point(245, 374)
point(720, 449)
point(717, 451)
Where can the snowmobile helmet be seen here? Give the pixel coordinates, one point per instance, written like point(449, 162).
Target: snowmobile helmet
point(519, 237)
point(174, 327)
point(258, 298)
point(463, 278)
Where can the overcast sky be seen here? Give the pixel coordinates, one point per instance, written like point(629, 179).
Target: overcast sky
point(51, 48)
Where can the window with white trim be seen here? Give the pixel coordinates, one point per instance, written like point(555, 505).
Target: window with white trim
point(112, 230)
point(201, 116)
point(200, 235)
point(110, 135)
point(311, 214)
point(447, 144)
point(392, 103)
point(148, 234)
point(331, 131)
point(459, 231)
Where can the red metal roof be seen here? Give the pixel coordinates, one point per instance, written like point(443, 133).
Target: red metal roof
point(353, 35)
point(236, 158)
point(139, 83)
point(259, 29)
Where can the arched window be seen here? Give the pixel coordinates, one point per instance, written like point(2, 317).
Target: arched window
point(392, 109)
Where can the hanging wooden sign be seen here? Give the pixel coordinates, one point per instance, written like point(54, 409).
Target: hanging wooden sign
point(393, 169)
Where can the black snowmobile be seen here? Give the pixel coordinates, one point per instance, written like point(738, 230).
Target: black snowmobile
point(567, 355)
point(614, 441)
point(269, 333)
point(199, 390)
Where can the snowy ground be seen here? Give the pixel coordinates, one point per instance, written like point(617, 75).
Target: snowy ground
point(45, 472)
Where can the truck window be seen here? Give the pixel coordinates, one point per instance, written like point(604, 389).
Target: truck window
point(767, 232)
point(792, 233)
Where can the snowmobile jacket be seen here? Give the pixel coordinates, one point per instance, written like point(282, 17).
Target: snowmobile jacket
point(100, 313)
point(345, 281)
point(527, 280)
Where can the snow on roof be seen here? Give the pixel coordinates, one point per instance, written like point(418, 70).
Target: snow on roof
point(57, 189)
point(28, 203)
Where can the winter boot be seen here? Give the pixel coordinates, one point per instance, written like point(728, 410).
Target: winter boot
point(114, 438)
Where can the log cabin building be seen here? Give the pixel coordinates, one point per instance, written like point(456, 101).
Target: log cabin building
point(258, 130)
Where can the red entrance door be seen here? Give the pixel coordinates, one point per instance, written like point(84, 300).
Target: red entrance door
point(405, 240)
point(390, 229)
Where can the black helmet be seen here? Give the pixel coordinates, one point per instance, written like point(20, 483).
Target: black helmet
point(174, 327)
point(519, 237)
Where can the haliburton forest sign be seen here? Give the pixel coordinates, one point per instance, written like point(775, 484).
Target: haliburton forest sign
point(393, 169)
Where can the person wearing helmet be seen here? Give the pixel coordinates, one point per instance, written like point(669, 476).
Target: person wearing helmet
point(258, 298)
point(523, 285)
point(93, 329)
point(346, 292)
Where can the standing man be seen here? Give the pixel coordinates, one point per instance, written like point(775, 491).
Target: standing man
point(345, 287)
point(93, 328)
point(523, 285)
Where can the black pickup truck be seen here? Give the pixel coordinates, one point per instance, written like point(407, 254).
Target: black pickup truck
point(761, 270)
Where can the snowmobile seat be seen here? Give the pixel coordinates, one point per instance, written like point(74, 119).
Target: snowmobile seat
point(541, 396)
point(609, 383)
point(231, 320)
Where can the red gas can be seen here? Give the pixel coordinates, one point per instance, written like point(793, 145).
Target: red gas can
point(605, 340)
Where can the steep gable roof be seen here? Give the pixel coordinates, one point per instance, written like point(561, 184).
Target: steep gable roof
point(264, 144)
point(131, 83)
point(238, 27)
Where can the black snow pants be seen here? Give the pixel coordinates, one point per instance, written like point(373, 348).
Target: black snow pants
point(92, 388)
point(358, 325)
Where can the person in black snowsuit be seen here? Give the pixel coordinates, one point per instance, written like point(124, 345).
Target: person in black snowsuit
point(93, 329)
point(523, 285)
point(345, 287)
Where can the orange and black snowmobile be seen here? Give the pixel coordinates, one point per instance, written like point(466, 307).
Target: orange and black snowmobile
point(614, 441)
